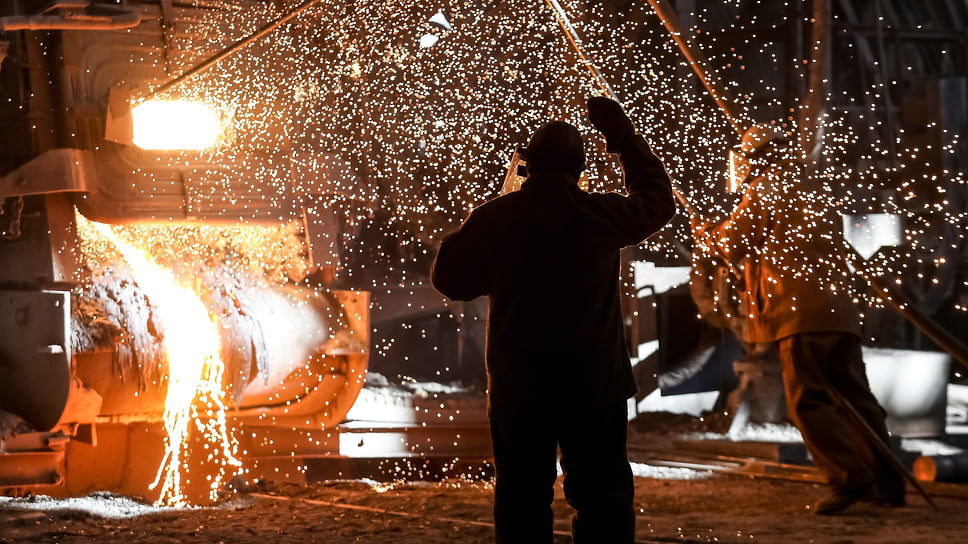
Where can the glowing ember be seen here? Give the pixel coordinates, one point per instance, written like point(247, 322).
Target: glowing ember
point(194, 381)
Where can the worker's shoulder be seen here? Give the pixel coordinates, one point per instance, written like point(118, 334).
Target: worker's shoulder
point(501, 203)
point(491, 210)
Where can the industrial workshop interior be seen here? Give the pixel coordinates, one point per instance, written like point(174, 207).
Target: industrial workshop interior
point(219, 221)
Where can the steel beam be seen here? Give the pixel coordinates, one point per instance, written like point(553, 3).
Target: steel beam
point(232, 49)
point(697, 60)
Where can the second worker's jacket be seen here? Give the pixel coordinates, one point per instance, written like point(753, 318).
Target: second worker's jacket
point(547, 256)
point(788, 245)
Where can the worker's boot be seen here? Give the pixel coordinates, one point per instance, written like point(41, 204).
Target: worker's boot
point(841, 500)
point(890, 490)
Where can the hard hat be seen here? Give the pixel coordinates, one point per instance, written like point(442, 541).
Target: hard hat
point(756, 140)
point(555, 140)
point(758, 136)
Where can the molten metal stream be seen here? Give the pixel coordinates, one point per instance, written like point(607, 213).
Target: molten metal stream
point(194, 381)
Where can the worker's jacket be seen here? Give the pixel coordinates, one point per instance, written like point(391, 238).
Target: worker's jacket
point(789, 246)
point(547, 256)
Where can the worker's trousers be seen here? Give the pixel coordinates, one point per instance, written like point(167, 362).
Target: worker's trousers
point(841, 448)
point(597, 483)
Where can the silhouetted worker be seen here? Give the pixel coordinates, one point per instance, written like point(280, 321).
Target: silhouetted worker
point(790, 248)
point(558, 371)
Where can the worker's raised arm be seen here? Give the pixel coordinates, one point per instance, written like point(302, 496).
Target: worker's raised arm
point(650, 203)
point(646, 177)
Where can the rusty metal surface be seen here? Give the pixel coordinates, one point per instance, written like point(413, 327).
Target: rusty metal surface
point(122, 394)
point(26, 442)
point(54, 171)
point(35, 355)
point(29, 469)
point(43, 250)
point(32, 459)
point(137, 186)
point(125, 460)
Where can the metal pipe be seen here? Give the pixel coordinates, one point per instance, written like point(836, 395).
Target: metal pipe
point(572, 36)
point(700, 65)
point(942, 468)
point(899, 301)
point(66, 4)
point(114, 18)
point(813, 114)
point(228, 51)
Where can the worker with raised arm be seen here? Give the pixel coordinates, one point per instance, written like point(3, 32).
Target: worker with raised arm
point(559, 376)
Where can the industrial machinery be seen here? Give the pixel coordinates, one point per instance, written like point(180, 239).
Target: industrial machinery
point(87, 371)
point(248, 199)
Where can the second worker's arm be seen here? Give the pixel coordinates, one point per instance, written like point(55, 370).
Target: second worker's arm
point(738, 236)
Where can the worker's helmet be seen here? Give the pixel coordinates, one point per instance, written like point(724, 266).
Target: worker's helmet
point(555, 146)
point(743, 159)
point(759, 137)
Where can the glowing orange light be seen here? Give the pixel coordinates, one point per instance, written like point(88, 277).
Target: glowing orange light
point(176, 124)
point(738, 171)
point(195, 373)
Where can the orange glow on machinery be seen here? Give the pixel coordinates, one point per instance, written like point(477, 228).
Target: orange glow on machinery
point(194, 381)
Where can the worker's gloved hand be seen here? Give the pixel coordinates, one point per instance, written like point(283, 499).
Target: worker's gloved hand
point(607, 116)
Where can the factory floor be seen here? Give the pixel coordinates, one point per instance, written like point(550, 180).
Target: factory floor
point(715, 508)
point(681, 496)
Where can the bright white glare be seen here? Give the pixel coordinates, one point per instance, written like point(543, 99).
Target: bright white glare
point(101, 504)
point(176, 124)
point(428, 40)
point(738, 170)
point(869, 233)
point(441, 20)
point(644, 470)
point(909, 384)
point(659, 278)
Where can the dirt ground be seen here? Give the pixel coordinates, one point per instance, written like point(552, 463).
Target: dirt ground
point(717, 508)
point(674, 505)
